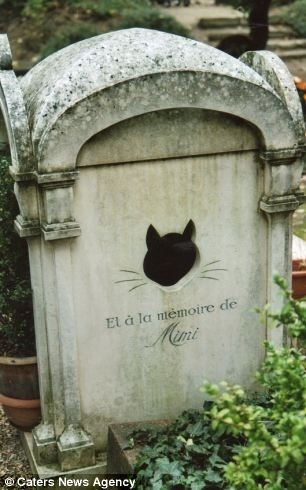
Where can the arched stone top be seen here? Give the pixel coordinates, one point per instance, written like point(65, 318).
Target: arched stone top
point(13, 117)
point(5, 53)
point(274, 70)
point(96, 83)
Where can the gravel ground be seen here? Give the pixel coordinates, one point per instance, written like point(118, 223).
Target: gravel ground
point(13, 462)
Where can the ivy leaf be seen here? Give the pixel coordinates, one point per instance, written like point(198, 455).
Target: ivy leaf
point(198, 448)
point(157, 485)
point(165, 467)
point(215, 460)
point(197, 485)
point(212, 476)
point(196, 429)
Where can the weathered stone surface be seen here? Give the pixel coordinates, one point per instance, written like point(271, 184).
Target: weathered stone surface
point(134, 72)
point(151, 373)
point(5, 53)
point(15, 122)
point(176, 131)
point(272, 69)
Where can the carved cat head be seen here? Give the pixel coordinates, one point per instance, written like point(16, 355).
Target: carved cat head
point(169, 257)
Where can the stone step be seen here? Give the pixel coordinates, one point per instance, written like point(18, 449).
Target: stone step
point(217, 34)
point(239, 19)
point(282, 39)
point(291, 53)
point(218, 21)
point(287, 44)
point(190, 16)
point(221, 22)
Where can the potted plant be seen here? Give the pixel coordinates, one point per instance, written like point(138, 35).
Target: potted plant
point(19, 393)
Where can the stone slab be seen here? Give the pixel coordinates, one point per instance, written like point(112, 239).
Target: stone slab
point(128, 328)
point(119, 459)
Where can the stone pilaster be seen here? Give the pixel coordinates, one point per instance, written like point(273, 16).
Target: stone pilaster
point(279, 201)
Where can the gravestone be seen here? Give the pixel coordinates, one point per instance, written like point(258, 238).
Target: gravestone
point(156, 179)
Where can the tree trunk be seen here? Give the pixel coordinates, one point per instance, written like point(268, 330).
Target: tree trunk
point(259, 23)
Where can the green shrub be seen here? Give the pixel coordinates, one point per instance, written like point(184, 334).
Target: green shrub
point(28, 8)
point(275, 451)
point(151, 18)
point(34, 8)
point(66, 36)
point(16, 316)
point(101, 8)
point(295, 16)
point(133, 15)
point(108, 8)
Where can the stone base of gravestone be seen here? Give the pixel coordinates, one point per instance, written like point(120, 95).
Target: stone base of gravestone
point(120, 461)
point(53, 470)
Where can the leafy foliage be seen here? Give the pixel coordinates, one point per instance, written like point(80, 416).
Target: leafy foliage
point(16, 317)
point(33, 8)
point(108, 8)
point(275, 452)
point(151, 18)
point(103, 8)
point(66, 36)
point(295, 16)
point(117, 14)
point(188, 453)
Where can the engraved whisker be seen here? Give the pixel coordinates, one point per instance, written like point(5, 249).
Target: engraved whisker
point(129, 280)
point(138, 286)
point(131, 272)
point(211, 270)
point(214, 262)
point(207, 277)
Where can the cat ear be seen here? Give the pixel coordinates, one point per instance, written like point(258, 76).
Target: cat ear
point(152, 237)
point(189, 230)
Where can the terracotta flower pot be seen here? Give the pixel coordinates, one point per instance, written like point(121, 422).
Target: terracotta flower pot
point(19, 391)
point(298, 279)
point(23, 414)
